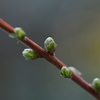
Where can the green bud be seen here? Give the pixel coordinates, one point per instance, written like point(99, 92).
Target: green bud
point(96, 84)
point(50, 45)
point(66, 72)
point(29, 54)
point(74, 70)
point(18, 33)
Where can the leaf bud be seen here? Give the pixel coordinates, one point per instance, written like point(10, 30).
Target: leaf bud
point(74, 70)
point(66, 72)
point(29, 54)
point(18, 33)
point(96, 84)
point(50, 45)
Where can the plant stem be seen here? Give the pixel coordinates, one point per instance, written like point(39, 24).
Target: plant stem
point(52, 59)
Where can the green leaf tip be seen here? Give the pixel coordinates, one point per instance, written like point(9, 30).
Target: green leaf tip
point(96, 84)
point(74, 70)
point(66, 72)
point(18, 33)
point(50, 45)
point(29, 54)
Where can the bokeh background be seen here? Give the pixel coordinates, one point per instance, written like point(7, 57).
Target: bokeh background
point(74, 25)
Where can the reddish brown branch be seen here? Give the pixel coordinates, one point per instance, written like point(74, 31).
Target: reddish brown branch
point(52, 59)
point(6, 26)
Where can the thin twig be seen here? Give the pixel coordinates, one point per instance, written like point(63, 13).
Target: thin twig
point(52, 59)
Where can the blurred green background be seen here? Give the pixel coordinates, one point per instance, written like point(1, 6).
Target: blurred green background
point(74, 25)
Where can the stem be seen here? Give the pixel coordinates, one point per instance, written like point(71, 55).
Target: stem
point(6, 26)
point(52, 59)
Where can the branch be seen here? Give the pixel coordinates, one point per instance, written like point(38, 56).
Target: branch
point(52, 59)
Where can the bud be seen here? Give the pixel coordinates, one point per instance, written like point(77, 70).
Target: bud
point(96, 84)
point(18, 33)
point(74, 70)
point(50, 45)
point(66, 72)
point(29, 54)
